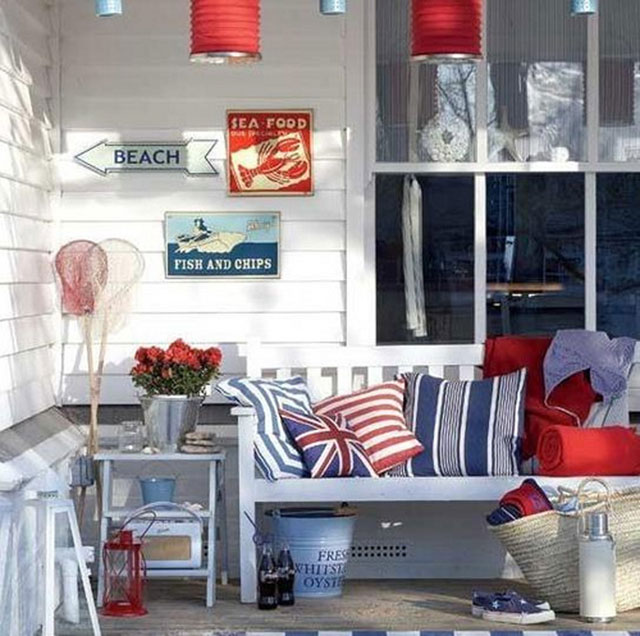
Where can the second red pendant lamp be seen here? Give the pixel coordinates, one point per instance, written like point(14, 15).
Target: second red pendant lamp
point(225, 31)
point(446, 30)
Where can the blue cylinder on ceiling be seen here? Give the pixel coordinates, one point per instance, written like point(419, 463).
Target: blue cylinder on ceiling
point(584, 7)
point(108, 8)
point(333, 7)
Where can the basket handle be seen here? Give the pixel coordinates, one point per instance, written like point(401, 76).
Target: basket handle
point(583, 496)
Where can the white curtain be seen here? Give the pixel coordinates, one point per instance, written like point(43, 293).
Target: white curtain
point(412, 239)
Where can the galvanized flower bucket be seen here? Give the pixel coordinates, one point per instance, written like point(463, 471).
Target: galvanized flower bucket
point(169, 418)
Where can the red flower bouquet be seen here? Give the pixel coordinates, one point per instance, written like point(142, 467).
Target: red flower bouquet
point(178, 370)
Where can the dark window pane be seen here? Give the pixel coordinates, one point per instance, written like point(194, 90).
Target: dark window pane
point(425, 112)
point(619, 132)
point(440, 307)
point(536, 53)
point(618, 266)
point(535, 253)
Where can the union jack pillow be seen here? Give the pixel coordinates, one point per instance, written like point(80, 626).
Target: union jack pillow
point(328, 447)
point(376, 416)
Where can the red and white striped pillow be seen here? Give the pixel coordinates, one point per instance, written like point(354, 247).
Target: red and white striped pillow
point(376, 416)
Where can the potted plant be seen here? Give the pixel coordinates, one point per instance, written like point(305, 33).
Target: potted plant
point(174, 382)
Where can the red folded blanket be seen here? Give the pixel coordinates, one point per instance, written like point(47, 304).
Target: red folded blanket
point(528, 499)
point(510, 353)
point(565, 451)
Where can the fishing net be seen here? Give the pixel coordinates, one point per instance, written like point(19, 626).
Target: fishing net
point(125, 266)
point(113, 298)
point(96, 286)
point(82, 274)
point(82, 271)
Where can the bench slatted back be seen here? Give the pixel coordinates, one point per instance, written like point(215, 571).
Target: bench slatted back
point(330, 370)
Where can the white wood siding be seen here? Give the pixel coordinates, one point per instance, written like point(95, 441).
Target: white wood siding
point(130, 78)
point(27, 298)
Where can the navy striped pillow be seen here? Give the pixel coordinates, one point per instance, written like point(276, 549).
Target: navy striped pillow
point(468, 427)
point(276, 454)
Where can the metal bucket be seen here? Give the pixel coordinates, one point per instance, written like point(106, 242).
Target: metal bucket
point(107, 8)
point(169, 418)
point(320, 543)
point(155, 489)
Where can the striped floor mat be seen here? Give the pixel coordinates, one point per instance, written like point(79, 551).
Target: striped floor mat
point(452, 633)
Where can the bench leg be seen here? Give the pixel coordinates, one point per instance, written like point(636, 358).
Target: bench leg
point(248, 569)
point(247, 500)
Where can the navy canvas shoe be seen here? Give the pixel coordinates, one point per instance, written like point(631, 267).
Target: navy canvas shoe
point(510, 607)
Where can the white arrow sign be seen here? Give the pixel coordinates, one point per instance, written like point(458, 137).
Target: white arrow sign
point(192, 157)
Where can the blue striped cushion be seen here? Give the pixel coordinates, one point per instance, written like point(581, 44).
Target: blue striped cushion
point(472, 427)
point(276, 454)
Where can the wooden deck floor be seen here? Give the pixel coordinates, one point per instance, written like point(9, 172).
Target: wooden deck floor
point(177, 609)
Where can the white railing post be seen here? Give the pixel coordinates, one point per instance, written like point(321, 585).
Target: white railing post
point(247, 429)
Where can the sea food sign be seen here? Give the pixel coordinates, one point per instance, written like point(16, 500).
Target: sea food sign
point(222, 244)
point(270, 152)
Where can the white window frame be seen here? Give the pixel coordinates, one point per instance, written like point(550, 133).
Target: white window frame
point(361, 151)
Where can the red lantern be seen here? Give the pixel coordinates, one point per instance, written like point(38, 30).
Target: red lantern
point(124, 575)
point(225, 31)
point(446, 30)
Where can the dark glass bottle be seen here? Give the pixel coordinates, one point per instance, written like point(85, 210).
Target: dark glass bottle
point(286, 577)
point(267, 580)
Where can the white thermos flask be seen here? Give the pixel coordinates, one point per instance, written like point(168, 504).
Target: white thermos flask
point(597, 569)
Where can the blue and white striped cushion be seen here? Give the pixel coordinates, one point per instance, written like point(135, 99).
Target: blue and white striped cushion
point(471, 427)
point(276, 454)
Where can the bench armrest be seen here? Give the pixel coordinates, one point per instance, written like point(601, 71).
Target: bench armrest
point(240, 411)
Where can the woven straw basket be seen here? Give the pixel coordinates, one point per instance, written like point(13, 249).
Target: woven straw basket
point(545, 547)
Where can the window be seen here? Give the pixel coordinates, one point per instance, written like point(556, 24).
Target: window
point(417, 101)
point(536, 53)
point(535, 245)
point(424, 256)
point(619, 133)
point(618, 268)
point(526, 185)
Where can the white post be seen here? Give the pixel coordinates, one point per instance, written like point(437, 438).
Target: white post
point(48, 626)
point(222, 521)
point(590, 194)
point(104, 523)
point(211, 534)
point(67, 507)
point(246, 468)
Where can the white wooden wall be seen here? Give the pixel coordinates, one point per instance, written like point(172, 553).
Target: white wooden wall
point(27, 323)
point(130, 78)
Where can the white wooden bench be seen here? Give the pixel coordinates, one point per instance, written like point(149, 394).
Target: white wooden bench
point(331, 370)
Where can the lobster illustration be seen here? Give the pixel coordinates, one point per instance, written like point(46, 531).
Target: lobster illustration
point(282, 161)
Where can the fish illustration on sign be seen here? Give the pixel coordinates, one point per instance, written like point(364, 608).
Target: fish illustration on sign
point(225, 244)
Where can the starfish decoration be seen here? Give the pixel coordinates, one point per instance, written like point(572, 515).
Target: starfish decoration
point(505, 137)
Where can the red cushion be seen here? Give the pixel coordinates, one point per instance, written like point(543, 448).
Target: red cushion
point(376, 416)
point(506, 354)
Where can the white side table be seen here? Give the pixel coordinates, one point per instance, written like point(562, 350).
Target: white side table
point(110, 515)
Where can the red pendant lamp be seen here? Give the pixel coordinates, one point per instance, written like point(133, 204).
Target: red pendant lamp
point(446, 30)
point(225, 31)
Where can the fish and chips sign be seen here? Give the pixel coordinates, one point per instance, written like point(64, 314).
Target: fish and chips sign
point(222, 244)
point(270, 152)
